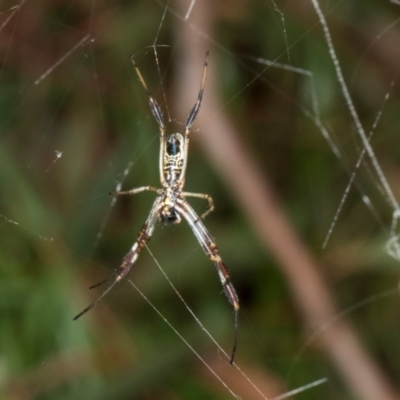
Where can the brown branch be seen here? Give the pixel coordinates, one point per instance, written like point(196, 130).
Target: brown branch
point(253, 193)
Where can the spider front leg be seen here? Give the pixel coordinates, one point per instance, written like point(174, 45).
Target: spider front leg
point(154, 106)
point(203, 196)
point(193, 112)
point(130, 258)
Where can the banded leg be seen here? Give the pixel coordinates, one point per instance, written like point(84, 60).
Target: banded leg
point(203, 196)
point(157, 114)
point(135, 190)
point(130, 258)
point(193, 112)
point(210, 248)
point(154, 106)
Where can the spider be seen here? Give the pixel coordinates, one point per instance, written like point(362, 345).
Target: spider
point(171, 204)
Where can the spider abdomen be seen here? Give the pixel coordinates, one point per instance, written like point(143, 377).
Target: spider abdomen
point(168, 213)
point(169, 216)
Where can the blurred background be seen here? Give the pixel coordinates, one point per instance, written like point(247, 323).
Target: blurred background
point(275, 144)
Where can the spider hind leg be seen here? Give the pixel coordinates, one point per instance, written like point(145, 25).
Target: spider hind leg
point(210, 248)
point(130, 258)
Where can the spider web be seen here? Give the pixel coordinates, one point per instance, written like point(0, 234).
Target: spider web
point(312, 94)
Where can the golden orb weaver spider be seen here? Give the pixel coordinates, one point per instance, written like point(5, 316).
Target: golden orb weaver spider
point(171, 204)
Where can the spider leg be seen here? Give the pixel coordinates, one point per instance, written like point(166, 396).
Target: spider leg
point(193, 112)
point(154, 106)
point(211, 206)
point(134, 191)
point(157, 114)
point(130, 258)
point(210, 248)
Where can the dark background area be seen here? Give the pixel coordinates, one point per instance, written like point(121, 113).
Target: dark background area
point(67, 85)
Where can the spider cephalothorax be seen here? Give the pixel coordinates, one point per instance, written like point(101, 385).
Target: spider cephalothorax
point(173, 160)
point(171, 204)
